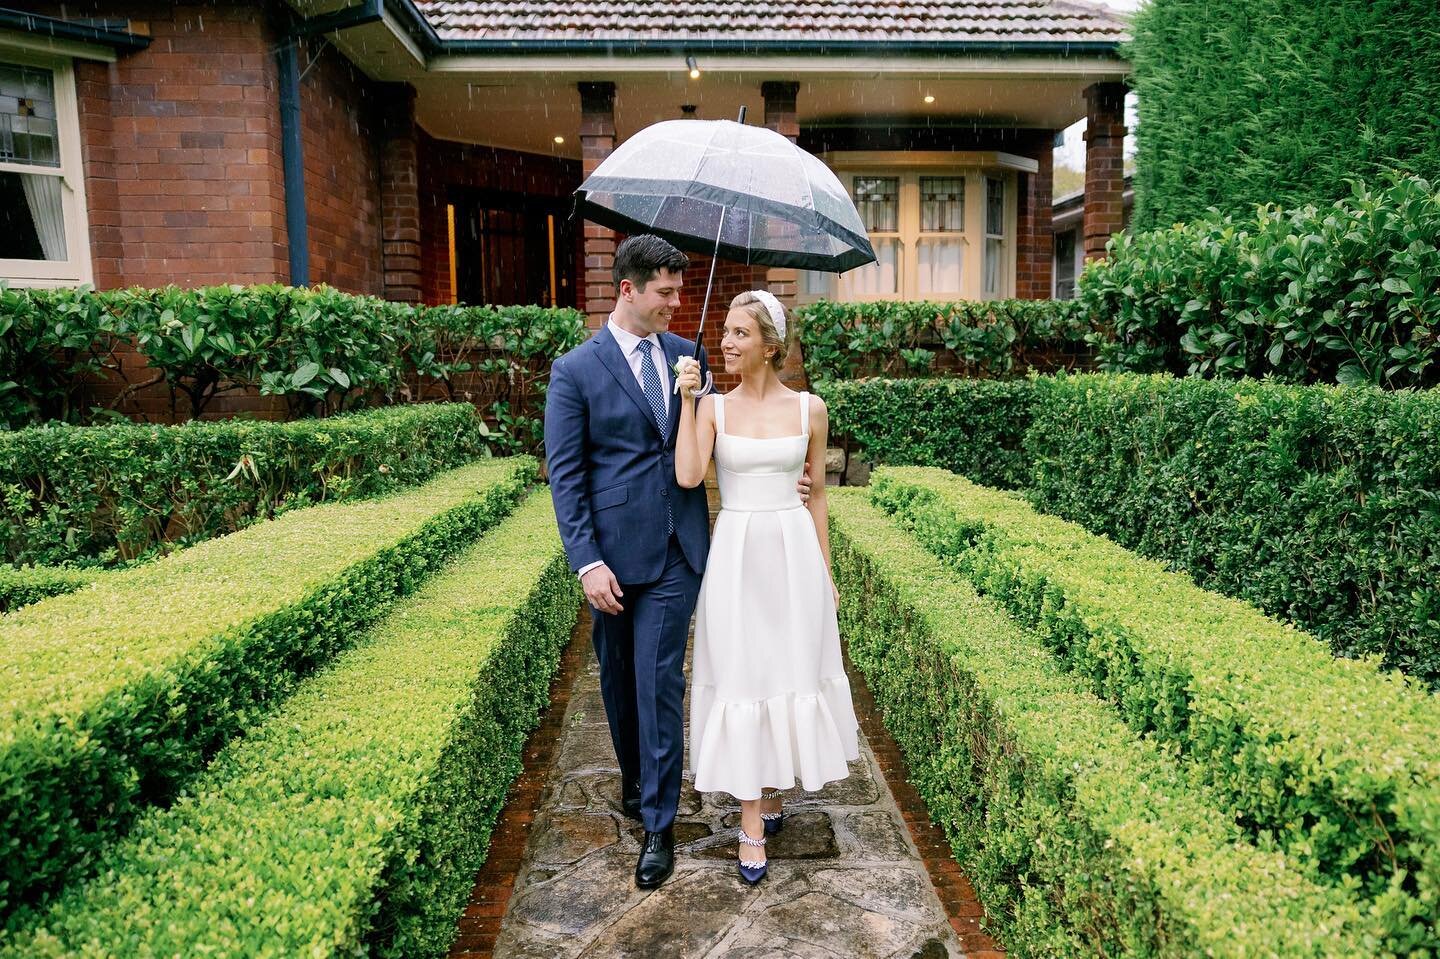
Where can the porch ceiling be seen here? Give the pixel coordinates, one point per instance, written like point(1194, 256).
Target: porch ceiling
point(526, 111)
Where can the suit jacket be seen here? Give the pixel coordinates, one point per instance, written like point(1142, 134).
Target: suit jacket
point(612, 466)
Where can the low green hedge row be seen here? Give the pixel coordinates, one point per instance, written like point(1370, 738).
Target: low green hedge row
point(1329, 759)
point(23, 585)
point(102, 494)
point(974, 427)
point(353, 820)
point(112, 697)
point(1082, 839)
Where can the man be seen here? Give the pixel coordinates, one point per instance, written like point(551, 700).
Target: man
point(636, 538)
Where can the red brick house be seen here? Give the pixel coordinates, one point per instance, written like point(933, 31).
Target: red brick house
point(427, 149)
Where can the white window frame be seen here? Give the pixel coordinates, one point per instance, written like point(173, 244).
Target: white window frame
point(77, 269)
point(908, 168)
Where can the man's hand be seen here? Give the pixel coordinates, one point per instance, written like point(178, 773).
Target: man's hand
point(602, 590)
point(804, 485)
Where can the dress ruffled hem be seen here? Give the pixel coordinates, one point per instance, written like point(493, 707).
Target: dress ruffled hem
point(744, 748)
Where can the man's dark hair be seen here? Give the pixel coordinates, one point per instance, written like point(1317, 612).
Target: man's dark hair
point(640, 257)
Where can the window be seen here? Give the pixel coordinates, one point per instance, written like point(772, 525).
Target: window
point(929, 227)
point(994, 237)
point(1065, 265)
point(42, 210)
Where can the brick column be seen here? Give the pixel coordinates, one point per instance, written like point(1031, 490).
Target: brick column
point(1104, 165)
point(400, 194)
point(782, 116)
point(597, 140)
point(1034, 262)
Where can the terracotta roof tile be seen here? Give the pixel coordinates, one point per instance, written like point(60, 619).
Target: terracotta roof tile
point(1016, 21)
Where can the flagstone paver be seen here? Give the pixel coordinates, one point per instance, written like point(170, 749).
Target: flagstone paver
point(846, 876)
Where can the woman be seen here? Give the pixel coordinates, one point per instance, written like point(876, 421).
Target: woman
point(769, 700)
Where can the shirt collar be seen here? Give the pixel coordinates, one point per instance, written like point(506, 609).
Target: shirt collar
point(628, 341)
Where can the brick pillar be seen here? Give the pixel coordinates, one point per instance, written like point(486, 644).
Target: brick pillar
point(597, 140)
point(1104, 165)
point(782, 116)
point(400, 194)
point(1034, 263)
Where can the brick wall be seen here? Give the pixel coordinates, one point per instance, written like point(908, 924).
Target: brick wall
point(184, 173)
point(339, 112)
point(182, 150)
point(445, 164)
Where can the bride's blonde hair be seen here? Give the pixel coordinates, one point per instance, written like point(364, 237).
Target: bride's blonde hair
point(753, 305)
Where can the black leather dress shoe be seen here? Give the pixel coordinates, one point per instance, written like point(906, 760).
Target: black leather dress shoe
point(657, 859)
point(630, 799)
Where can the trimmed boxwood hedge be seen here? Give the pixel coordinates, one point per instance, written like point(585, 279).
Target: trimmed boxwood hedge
point(100, 494)
point(1329, 759)
point(112, 697)
point(975, 427)
point(23, 585)
point(1318, 504)
point(354, 819)
point(1081, 838)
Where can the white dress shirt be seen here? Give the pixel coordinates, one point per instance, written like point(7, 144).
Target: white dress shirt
point(629, 345)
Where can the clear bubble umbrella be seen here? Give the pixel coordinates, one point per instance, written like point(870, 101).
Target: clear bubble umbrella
point(726, 189)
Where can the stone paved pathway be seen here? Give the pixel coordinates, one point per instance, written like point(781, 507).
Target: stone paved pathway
point(846, 880)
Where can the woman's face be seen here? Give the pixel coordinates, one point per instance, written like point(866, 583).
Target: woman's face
point(742, 345)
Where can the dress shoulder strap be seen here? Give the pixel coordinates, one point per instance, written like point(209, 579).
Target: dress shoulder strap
point(805, 414)
point(719, 413)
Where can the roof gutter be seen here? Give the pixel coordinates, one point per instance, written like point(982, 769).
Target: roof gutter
point(110, 33)
point(424, 34)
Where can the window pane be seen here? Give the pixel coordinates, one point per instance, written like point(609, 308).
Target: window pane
point(878, 200)
point(1065, 265)
point(994, 206)
point(32, 218)
point(994, 259)
point(27, 116)
point(880, 278)
point(940, 262)
point(815, 283)
point(942, 204)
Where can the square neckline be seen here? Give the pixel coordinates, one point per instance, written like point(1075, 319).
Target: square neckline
point(804, 421)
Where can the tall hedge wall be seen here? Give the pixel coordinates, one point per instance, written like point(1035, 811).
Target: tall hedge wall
point(1279, 101)
point(1318, 504)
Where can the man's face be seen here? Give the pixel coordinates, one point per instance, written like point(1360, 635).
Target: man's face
point(653, 307)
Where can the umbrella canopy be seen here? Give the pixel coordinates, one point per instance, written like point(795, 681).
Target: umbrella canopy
point(719, 187)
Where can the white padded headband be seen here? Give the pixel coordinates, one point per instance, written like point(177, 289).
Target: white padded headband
point(773, 307)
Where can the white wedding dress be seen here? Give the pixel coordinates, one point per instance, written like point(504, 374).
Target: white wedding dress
point(769, 700)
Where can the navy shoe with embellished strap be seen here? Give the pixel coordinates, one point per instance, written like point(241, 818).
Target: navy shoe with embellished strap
point(774, 821)
point(751, 871)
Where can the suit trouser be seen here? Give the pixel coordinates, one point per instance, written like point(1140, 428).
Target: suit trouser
point(642, 680)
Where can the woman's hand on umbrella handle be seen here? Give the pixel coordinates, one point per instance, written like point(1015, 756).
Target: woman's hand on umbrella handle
point(687, 376)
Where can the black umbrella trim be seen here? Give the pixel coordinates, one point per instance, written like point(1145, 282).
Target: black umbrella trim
point(861, 254)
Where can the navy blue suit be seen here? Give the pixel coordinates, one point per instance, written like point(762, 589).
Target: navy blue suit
point(612, 478)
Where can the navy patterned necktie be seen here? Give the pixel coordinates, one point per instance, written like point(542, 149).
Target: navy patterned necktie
point(650, 382)
point(655, 393)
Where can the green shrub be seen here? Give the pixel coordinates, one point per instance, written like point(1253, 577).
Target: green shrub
point(323, 350)
point(23, 585)
point(352, 821)
point(1348, 293)
point(112, 697)
point(975, 427)
point(1320, 505)
point(1279, 101)
point(1330, 760)
point(967, 337)
point(114, 493)
point(1081, 838)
